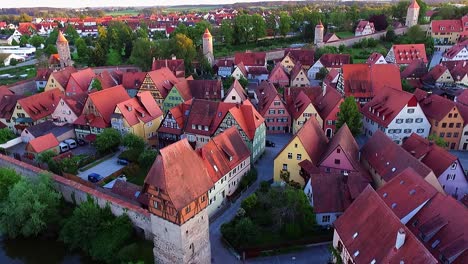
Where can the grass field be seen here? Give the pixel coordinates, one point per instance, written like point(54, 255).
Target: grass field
point(29, 70)
point(344, 34)
point(191, 8)
point(131, 12)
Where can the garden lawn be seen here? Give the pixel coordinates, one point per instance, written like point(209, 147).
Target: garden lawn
point(222, 50)
point(30, 70)
point(344, 34)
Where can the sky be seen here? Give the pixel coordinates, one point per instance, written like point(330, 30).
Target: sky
point(104, 3)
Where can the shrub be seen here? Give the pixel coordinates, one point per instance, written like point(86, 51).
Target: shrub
point(130, 155)
point(249, 203)
point(146, 158)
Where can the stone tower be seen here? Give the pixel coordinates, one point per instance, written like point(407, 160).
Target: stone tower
point(319, 31)
point(63, 51)
point(412, 14)
point(208, 47)
point(177, 188)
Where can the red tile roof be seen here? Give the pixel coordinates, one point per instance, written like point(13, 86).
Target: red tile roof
point(304, 56)
point(441, 226)
point(133, 80)
point(374, 57)
point(388, 158)
point(406, 53)
point(313, 140)
point(164, 80)
point(458, 69)
point(79, 81)
point(223, 153)
point(236, 86)
point(266, 94)
point(414, 5)
point(446, 26)
point(105, 102)
point(434, 74)
point(326, 102)
point(335, 60)
point(368, 230)
point(299, 105)
point(42, 143)
point(176, 66)
point(7, 105)
point(406, 192)
point(225, 63)
point(179, 171)
point(331, 191)
point(178, 113)
point(247, 117)
point(291, 93)
point(126, 189)
point(296, 70)
point(344, 140)
point(41, 105)
point(242, 68)
point(141, 108)
point(416, 69)
point(434, 106)
point(362, 25)
point(206, 89)
point(257, 70)
point(76, 102)
point(61, 37)
point(106, 79)
point(455, 49)
point(250, 58)
point(63, 76)
point(435, 157)
point(387, 104)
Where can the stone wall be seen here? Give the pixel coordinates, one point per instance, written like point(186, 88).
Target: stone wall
point(76, 193)
point(377, 36)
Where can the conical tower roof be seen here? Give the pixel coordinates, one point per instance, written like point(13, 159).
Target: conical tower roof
point(207, 34)
point(61, 37)
point(414, 4)
point(319, 25)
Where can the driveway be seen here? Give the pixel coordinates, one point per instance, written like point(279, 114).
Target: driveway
point(264, 166)
point(104, 168)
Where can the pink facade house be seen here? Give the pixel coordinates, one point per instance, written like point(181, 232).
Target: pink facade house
point(278, 76)
point(69, 109)
point(273, 109)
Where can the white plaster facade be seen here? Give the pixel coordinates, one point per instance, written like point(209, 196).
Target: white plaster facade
point(460, 56)
point(311, 73)
point(63, 114)
point(409, 120)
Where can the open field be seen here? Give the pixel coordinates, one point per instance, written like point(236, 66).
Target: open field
point(131, 12)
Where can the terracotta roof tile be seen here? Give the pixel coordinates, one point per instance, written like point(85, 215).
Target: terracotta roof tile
point(133, 80)
point(455, 50)
point(141, 108)
point(446, 26)
point(434, 74)
point(176, 66)
point(106, 79)
point(79, 81)
point(406, 192)
point(106, 100)
point(7, 105)
point(126, 189)
point(266, 94)
point(164, 80)
point(458, 69)
point(326, 102)
point(41, 105)
point(304, 56)
point(206, 89)
point(406, 53)
point(388, 158)
point(250, 58)
point(296, 70)
point(416, 69)
point(374, 57)
point(299, 105)
point(313, 140)
point(346, 142)
point(335, 60)
point(43, 143)
point(63, 76)
point(242, 68)
point(180, 172)
point(368, 230)
point(434, 106)
point(362, 25)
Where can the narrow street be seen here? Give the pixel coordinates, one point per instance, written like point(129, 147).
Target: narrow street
point(220, 254)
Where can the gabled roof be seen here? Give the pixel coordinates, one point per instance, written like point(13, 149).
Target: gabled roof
point(206, 89)
point(368, 230)
point(446, 26)
point(455, 49)
point(362, 25)
point(7, 105)
point(76, 102)
point(344, 140)
point(441, 226)
point(257, 70)
point(63, 76)
point(299, 105)
point(184, 89)
point(291, 93)
point(176, 66)
point(414, 5)
point(237, 87)
point(266, 94)
point(48, 127)
point(42, 143)
point(434, 106)
point(333, 192)
point(374, 57)
point(304, 56)
point(179, 171)
point(204, 113)
point(388, 158)
point(458, 69)
point(296, 70)
point(106, 100)
point(163, 79)
point(328, 36)
point(106, 79)
point(83, 79)
point(133, 80)
point(387, 104)
point(434, 74)
point(61, 37)
point(225, 63)
point(406, 53)
point(326, 102)
point(247, 117)
point(435, 157)
point(335, 60)
point(141, 108)
point(179, 114)
point(406, 192)
point(250, 58)
point(416, 69)
point(40, 105)
point(43, 74)
point(242, 68)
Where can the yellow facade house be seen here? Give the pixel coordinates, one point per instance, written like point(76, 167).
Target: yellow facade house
point(287, 63)
point(302, 110)
point(59, 79)
point(306, 146)
point(140, 115)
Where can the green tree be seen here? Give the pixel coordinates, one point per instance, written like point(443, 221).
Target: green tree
point(30, 207)
point(227, 31)
point(45, 156)
point(270, 23)
point(147, 158)
point(24, 39)
point(182, 46)
point(36, 41)
point(71, 34)
point(349, 114)
point(323, 72)
point(99, 56)
point(143, 52)
point(416, 34)
point(390, 36)
point(114, 58)
point(422, 11)
point(437, 140)
point(50, 49)
point(8, 178)
point(249, 203)
point(108, 141)
point(96, 84)
point(52, 39)
point(6, 135)
point(82, 50)
point(285, 23)
point(259, 26)
point(23, 17)
point(243, 82)
point(70, 165)
point(133, 142)
point(406, 86)
point(242, 29)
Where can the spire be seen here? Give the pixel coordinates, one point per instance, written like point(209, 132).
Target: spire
point(414, 4)
point(207, 34)
point(319, 25)
point(61, 37)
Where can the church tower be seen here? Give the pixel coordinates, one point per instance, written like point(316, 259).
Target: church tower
point(319, 31)
point(208, 47)
point(63, 50)
point(412, 14)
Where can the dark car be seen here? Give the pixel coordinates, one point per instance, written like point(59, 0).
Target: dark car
point(81, 142)
point(269, 143)
point(94, 177)
point(122, 162)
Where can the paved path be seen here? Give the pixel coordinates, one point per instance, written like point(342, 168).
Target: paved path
point(26, 63)
point(220, 254)
point(104, 168)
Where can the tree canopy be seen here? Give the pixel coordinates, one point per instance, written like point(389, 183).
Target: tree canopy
point(108, 141)
point(349, 114)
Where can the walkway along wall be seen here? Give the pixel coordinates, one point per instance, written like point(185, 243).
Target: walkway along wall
point(377, 36)
point(74, 192)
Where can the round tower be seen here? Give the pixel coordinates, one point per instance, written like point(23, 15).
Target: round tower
point(319, 31)
point(63, 50)
point(208, 47)
point(412, 14)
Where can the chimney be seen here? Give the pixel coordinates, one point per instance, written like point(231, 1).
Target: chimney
point(400, 239)
point(324, 88)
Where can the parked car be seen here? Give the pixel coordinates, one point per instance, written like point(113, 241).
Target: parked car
point(63, 147)
point(269, 143)
point(123, 162)
point(71, 143)
point(81, 142)
point(94, 177)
